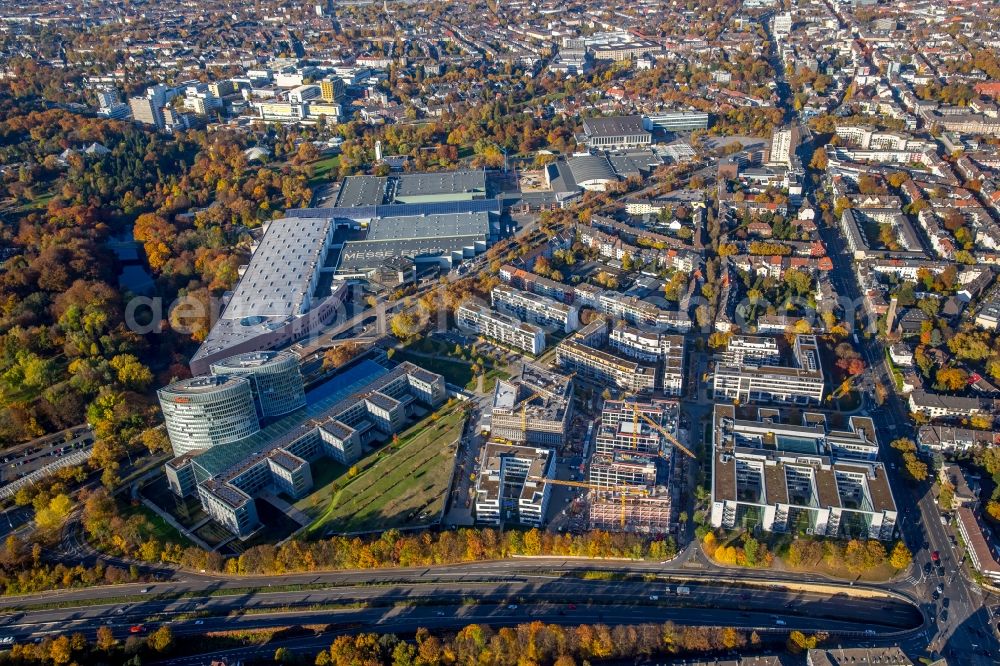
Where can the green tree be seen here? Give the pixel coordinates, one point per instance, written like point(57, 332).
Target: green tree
point(53, 515)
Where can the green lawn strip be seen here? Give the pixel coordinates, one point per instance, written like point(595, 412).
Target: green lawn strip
point(390, 481)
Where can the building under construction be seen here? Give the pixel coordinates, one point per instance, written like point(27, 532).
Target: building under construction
point(625, 426)
point(652, 514)
point(631, 470)
point(533, 408)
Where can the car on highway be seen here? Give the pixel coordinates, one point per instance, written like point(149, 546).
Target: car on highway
point(927, 568)
point(944, 615)
point(199, 622)
point(945, 602)
point(512, 606)
point(6, 640)
point(940, 588)
point(135, 629)
point(935, 557)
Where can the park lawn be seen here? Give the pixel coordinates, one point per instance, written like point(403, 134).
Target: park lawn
point(401, 485)
point(491, 378)
point(457, 373)
point(322, 169)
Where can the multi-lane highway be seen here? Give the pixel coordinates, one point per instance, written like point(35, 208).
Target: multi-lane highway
point(506, 592)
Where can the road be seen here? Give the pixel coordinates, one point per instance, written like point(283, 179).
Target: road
point(965, 634)
point(405, 599)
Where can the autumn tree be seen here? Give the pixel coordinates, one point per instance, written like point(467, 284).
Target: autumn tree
point(162, 639)
point(404, 326)
point(901, 556)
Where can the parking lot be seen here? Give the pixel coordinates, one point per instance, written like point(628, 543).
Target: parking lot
point(18, 462)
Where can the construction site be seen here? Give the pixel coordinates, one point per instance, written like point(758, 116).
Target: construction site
point(627, 468)
point(632, 469)
point(533, 408)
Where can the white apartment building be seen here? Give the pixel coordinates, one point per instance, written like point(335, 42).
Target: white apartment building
point(511, 485)
point(536, 309)
point(601, 367)
point(665, 350)
point(500, 327)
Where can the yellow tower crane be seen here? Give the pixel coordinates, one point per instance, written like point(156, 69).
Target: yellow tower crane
point(623, 491)
point(670, 438)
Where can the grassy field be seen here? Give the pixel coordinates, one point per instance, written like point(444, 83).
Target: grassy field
point(322, 170)
point(400, 485)
point(326, 473)
point(454, 372)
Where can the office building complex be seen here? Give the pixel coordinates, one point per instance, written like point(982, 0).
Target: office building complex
point(533, 408)
point(364, 404)
point(680, 121)
point(511, 486)
point(539, 310)
point(500, 327)
point(148, 109)
point(283, 295)
point(274, 379)
point(203, 412)
point(757, 377)
point(800, 478)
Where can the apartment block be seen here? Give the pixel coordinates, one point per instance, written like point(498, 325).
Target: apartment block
point(799, 478)
point(935, 405)
point(759, 379)
point(539, 310)
point(536, 284)
point(667, 351)
point(601, 367)
point(511, 486)
point(500, 327)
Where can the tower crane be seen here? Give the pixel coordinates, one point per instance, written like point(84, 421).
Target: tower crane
point(670, 438)
point(623, 491)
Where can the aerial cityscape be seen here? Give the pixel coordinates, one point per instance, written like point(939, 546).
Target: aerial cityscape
point(396, 332)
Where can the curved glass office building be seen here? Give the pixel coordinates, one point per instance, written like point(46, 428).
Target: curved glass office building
point(203, 412)
point(274, 379)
